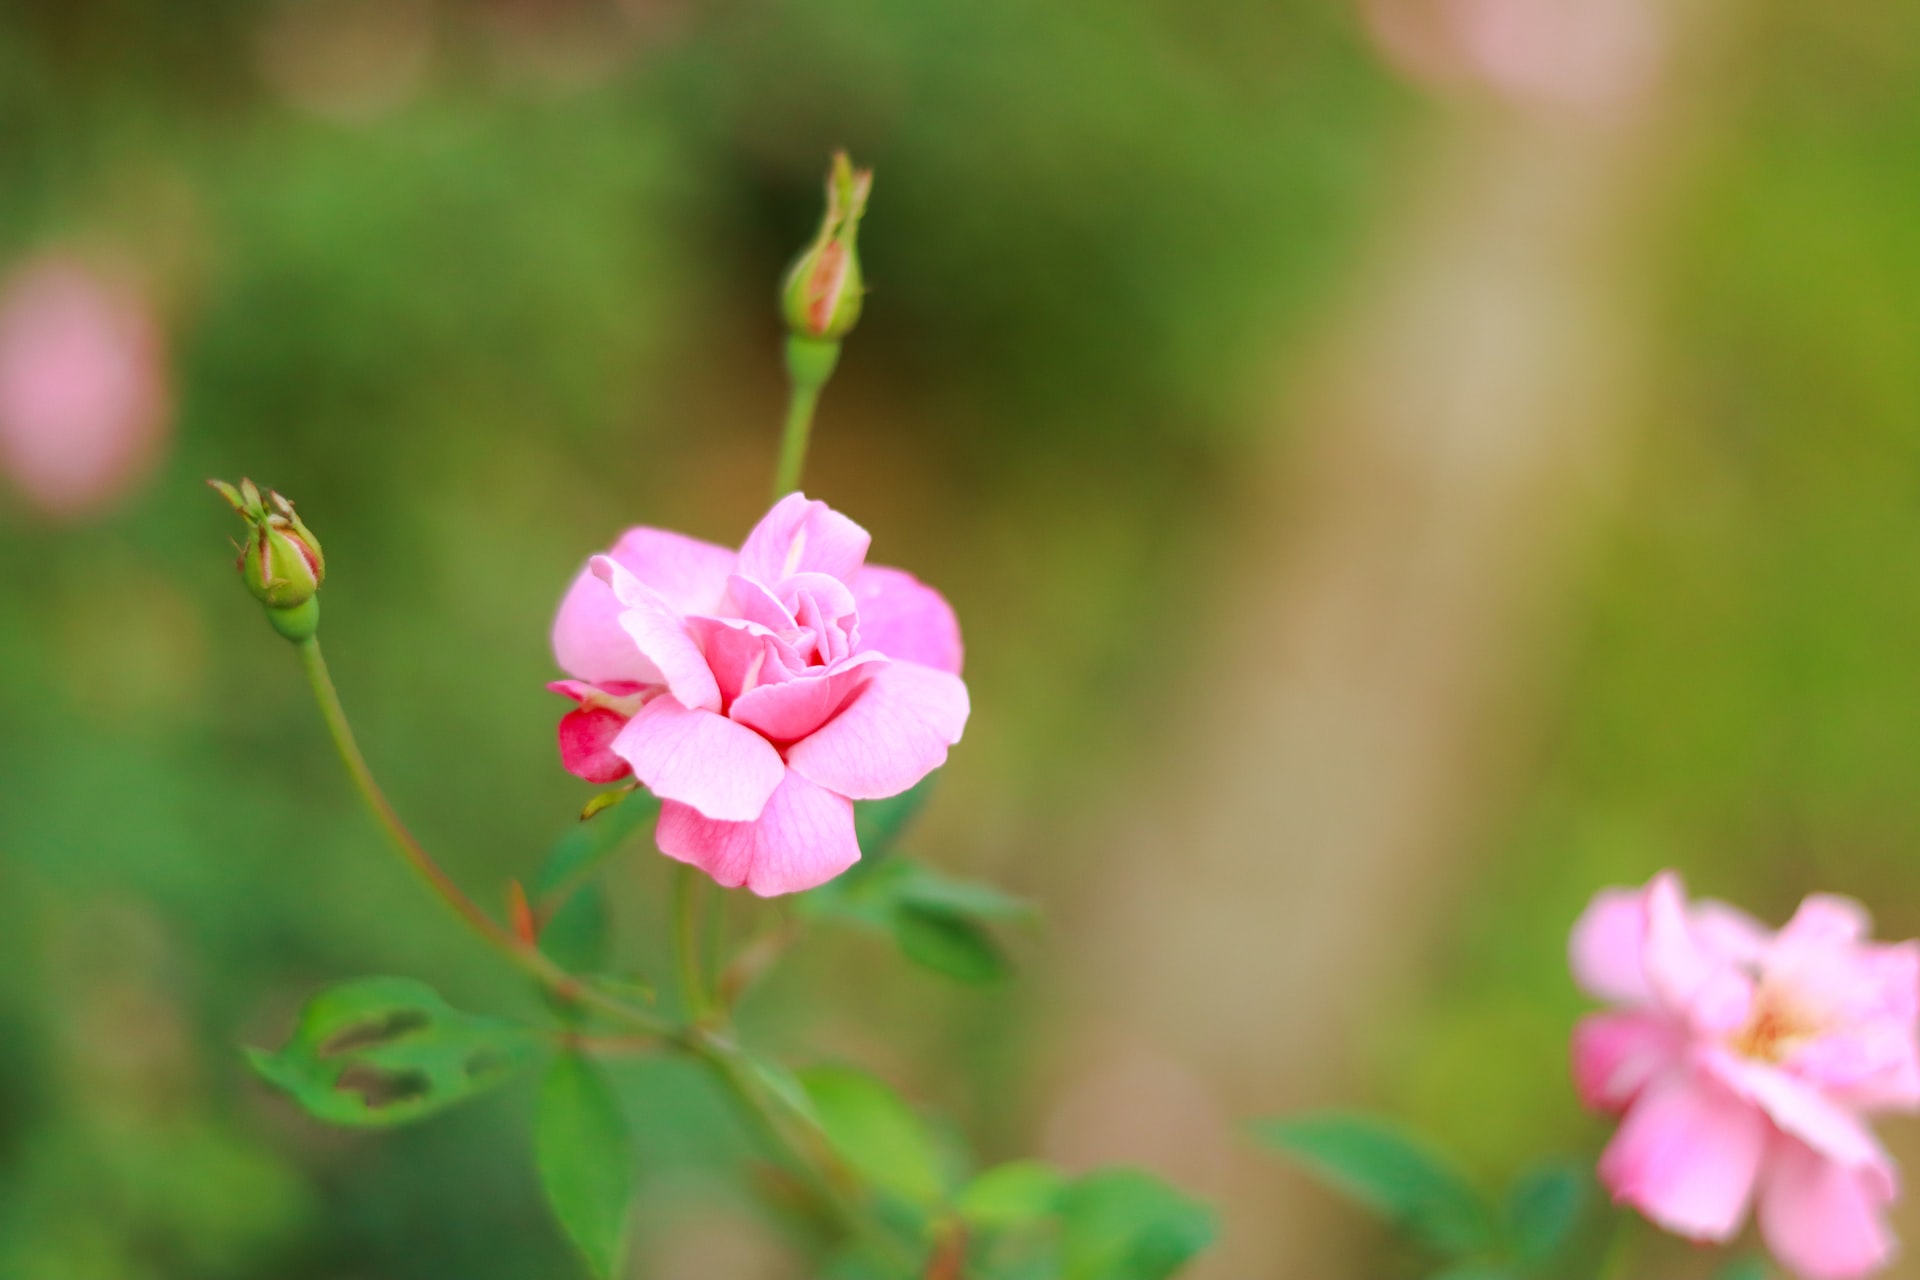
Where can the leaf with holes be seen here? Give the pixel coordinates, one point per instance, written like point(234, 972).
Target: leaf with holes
point(586, 1160)
point(383, 1051)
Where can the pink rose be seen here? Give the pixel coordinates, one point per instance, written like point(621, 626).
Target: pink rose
point(758, 693)
point(1743, 1061)
point(84, 406)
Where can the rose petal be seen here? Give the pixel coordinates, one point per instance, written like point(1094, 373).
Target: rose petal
point(1687, 1156)
point(1822, 1219)
point(586, 744)
point(904, 618)
point(1606, 948)
point(789, 711)
point(799, 536)
point(1616, 1054)
point(892, 734)
point(802, 839)
point(699, 758)
point(1797, 1107)
point(660, 633)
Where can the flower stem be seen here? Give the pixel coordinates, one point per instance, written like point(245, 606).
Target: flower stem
point(430, 873)
point(810, 363)
point(686, 943)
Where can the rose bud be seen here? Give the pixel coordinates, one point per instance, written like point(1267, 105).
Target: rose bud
point(823, 290)
point(281, 562)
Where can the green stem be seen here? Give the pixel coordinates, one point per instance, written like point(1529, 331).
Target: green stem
point(686, 942)
point(810, 363)
point(430, 873)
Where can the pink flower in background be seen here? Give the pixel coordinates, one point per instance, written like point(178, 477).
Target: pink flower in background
point(1743, 1061)
point(84, 405)
point(758, 693)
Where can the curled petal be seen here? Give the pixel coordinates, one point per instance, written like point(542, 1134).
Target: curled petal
point(802, 839)
point(690, 575)
point(661, 634)
point(1798, 1108)
point(798, 536)
point(904, 618)
point(699, 758)
point(1687, 1157)
point(789, 711)
point(1823, 1219)
point(890, 735)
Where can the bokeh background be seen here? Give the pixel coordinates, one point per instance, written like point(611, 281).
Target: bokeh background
point(1400, 468)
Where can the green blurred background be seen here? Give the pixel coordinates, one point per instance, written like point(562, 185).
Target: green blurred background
point(479, 284)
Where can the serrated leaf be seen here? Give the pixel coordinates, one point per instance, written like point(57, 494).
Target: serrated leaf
point(1393, 1174)
point(875, 1132)
point(585, 1159)
point(948, 944)
point(879, 824)
point(1012, 1195)
point(579, 853)
point(1124, 1224)
point(1543, 1208)
point(377, 1052)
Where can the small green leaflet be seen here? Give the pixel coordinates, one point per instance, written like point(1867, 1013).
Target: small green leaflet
point(1391, 1173)
point(1012, 1195)
point(383, 1051)
point(579, 853)
point(1123, 1224)
point(879, 824)
point(585, 1159)
point(937, 921)
point(876, 1133)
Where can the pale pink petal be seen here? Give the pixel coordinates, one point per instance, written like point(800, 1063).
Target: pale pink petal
point(1686, 1156)
point(798, 536)
point(1687, 976)
point(894, 733)
point(660, 633)
point(1730, 932)
point(1616, 1054)
point(804, 838)
point(690, 575)
point(904, 618)
point(1825, 920)
point(742, 655)
point(702, 759)
point(1606, 947)
point(791, 710)
point(1822, 1219)
point(1796, 1107)
point(588, 640)
point(756, 603)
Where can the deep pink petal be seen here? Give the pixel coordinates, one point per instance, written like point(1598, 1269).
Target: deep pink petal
point(894, 733)
point(1616, 1054)
point(586, 744)
point(699, 758)
point(804, 838)
point(798, 536)
point(1822, 1219)
point(661, 633)
point(1606, 947)
point(690, 575)
point(904, 618)
point(789, 711)
point(1686, 1156)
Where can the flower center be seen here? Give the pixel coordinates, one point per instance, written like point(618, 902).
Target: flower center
point(1776, 1027)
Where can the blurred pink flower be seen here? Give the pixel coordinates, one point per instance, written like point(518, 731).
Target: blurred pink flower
point(1743, 1061)
point(758, 694)
point(84, 403)
point(1585, 55)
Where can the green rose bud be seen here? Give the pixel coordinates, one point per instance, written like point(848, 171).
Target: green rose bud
point(823, 290)
point(281, 561)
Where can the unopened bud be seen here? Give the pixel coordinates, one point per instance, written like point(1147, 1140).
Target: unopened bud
point(823, 290)
point(280, 561)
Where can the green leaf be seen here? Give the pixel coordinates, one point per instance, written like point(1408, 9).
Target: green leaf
point(1123, 1224)
point(1393, 1174)
point(1475, 1270)
point(384, 1051)
point(579, 853)
point(949, 944)
point(1543, 1208)
point(1012, 1195)
point(1744, 1269)
point(876, 1133)
point(586, 1161)
point(879, 824)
